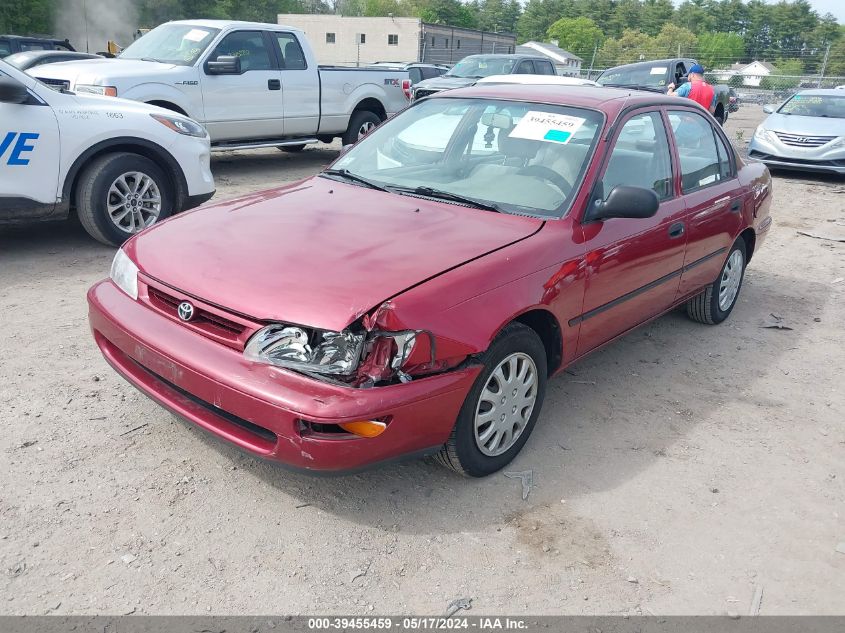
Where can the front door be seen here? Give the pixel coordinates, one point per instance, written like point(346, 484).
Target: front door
point(714, 197)
point(247, 105)
point(300, 86)
point(633, 265)
point(29, 160)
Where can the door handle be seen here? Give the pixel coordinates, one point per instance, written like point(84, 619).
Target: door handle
point(676, 230)
point(274, 84)
point(736, 205)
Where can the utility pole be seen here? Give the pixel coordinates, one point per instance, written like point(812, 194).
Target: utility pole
point(593, 61)
point(824, 66)
point(679, 49)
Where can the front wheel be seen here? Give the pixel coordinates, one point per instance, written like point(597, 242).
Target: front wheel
point(715, 303)
point(121, 194)
point(360, 124)
point(502, 407)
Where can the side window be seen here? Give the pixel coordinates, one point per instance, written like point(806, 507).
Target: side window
point(696, 141)
point(249, 46)
point(544, 68)
point(725, 169)
point(640, 157)
point(680, 71)
point(415, 75)
point(292, 56)
point(525, 68)
point(5, 48)
point(35, 46)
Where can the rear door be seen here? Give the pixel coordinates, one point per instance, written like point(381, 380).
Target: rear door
point(300, 86)
point(713, 195)
point(248, 105)
point(633, 265)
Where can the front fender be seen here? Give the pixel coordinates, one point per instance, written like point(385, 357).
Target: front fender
point(154, 91)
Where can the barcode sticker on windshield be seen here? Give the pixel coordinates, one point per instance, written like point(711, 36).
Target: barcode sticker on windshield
point(657, 70)
point(547, 126)
point(196, 35)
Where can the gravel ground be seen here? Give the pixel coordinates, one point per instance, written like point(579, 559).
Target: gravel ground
point(674, 472)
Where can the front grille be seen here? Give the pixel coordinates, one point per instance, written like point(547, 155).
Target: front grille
point(419, 94)
point(56, 84)
point(170, 304)
point(800, 140)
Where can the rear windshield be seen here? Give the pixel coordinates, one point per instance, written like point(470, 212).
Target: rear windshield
point(478, 67)
point(653, 75)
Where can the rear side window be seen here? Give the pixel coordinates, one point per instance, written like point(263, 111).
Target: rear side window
point(5, 48)
point(415, 74)
point(544, 68)
point(35, 46)
point(525, 68)
point(701, 160)
point(640, 157)
point(292, 56)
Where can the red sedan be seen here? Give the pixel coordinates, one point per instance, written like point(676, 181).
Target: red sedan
point(416, 296)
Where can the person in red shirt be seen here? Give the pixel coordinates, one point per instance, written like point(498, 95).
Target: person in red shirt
point(696, 89)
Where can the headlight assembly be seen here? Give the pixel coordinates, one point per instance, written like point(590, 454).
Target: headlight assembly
point(124, 273)
point(330, 353)
point(762, 134)
point(181, 125)
point(106, 91)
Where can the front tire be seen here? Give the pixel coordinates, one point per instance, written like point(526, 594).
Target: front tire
point(502, 407)
point(121, 194)
point(715, 303)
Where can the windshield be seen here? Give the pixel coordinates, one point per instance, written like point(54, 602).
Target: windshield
point(653, 75)
point(517, 157)
point(832, 106)
point(477, 67)
point(178, 44)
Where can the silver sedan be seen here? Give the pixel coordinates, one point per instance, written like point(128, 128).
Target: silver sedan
point(806, 132)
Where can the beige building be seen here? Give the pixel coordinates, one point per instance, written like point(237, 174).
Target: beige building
point(358, 41)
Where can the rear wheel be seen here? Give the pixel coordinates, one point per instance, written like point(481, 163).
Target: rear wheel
point(715, 303)
point(361, 123)
point(121, 194)
point(502, 407)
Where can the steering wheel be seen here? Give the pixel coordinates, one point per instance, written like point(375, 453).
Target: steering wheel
point(541, 171)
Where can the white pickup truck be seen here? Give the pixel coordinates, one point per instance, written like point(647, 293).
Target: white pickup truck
point(250, 84)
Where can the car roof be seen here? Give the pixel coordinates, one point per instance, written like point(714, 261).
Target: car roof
point(508, 56)
point(547, 80)
point(608, 99)
point(651, 62)
point(223, 24)
point(830, 92)
point(40, 38)
point(61, 53)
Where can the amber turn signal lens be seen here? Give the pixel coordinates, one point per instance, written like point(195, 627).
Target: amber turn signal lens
point(364, 428)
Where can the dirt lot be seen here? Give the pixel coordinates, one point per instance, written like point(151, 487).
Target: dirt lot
point(675, 471)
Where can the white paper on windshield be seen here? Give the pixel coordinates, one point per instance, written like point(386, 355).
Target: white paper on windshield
point(658, 70)
point(547, 126)
point(196, 35)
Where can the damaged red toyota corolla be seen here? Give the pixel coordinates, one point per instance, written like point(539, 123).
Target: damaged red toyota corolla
point(415, 297)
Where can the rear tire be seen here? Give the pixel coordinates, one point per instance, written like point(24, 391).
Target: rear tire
point(715, 303)
point(120, 194)
point(473, 449)
point(361, 123)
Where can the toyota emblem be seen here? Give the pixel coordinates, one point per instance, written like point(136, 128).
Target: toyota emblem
point(186, 311)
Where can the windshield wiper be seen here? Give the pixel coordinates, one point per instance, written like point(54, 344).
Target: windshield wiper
point(428, 192)
point(348, 175)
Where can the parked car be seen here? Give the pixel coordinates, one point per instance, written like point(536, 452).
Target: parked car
point(733, 100)
point(656, 75)
point(31, 59)
point(807, 132)
point(20, 43)
point(380, 310)
point(474, 67)
point(120, 166)
point(250, 84)
point(417, 72)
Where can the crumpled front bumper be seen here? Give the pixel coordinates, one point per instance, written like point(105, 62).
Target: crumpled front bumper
point(260, 408)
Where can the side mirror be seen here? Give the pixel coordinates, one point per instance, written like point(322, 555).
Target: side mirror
point(12, 91)
point(626, 202)
point(768, 109)
point(224, 65)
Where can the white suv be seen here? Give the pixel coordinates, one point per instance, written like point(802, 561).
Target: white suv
point(120, 165)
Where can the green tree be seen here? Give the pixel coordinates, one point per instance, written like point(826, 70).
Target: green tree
point(654, 14)
point(539, 15)
point(674, 40)
point(719, 50)
point(450, 12)
point(497, 15)
point(632, 46)
point(577, 35)
point(836, 60)
point(693, 15)
point(736, 81)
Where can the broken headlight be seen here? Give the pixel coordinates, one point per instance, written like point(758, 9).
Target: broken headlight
point(291, 347)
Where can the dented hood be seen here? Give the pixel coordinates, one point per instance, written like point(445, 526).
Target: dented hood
point(319, 253)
